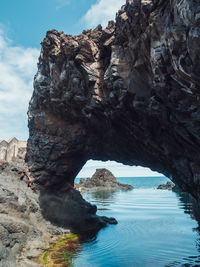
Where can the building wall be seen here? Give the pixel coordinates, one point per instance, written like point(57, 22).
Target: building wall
point(3, 149)
point(12, 150)
point(22, 143)
point(9, 150)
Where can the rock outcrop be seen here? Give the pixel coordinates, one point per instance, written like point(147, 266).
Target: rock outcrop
point(24, 233)
point(102, 179)
point(128, 93)
point(167, 186)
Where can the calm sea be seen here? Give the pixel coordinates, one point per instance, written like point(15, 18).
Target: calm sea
point(155, 228)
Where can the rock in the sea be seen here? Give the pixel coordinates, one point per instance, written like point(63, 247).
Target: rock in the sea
point(168, 186)
point(129, 93)
point(102, 179)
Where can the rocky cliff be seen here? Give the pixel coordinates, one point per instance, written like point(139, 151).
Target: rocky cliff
point(129, 93)
point(24, 233)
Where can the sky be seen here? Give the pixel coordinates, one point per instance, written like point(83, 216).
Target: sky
point(23, 25)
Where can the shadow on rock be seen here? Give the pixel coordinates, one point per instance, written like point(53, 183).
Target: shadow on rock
point(67, 208)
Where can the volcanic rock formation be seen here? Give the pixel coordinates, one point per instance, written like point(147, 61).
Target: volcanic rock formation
point(24, 233)
point(129, 93)
point(102, 179)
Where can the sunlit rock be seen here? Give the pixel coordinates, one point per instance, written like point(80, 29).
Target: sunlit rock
point(102, 179)
point(128, 93)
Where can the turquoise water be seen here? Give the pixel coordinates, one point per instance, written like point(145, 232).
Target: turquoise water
point(155, 228)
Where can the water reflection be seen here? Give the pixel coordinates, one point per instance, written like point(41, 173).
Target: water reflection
point(103, 195)
point(191, 207)
point(154, 229)
point(101, 198)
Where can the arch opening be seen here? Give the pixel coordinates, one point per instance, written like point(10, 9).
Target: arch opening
point(118, 169)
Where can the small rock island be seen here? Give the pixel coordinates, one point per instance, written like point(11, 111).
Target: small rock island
point(168, 186)
point(102, 179)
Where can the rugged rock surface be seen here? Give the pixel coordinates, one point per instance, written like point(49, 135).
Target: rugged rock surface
point(128, 93)
point(102, 179)
point(167, 186)
point(24, 231)
point(68, 209)
point(24, 234)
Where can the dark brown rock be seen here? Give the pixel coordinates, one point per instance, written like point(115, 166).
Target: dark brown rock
point(102, 179)
point(67, 207)
point(128, 93)
point(167, 186)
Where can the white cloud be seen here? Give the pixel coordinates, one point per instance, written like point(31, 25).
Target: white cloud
point(62, 3)
point(102, 12)
point(118, 169)
point(18, 66)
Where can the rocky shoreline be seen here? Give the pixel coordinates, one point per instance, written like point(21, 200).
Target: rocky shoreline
point(102, 179)
point(25, 227)
point(24, 233)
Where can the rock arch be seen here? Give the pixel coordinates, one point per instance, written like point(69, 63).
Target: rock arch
point(128, 93)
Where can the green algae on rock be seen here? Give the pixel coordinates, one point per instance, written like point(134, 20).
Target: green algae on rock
point(61, 252)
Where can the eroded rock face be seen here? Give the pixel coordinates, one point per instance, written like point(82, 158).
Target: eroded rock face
point(67, 208)
point(129, 93)
point(24, 234)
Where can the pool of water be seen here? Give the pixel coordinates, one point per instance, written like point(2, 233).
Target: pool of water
point(155, 228)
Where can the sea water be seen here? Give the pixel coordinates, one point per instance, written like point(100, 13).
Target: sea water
point(155, 228)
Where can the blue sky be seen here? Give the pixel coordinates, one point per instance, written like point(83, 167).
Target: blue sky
point(23, 25)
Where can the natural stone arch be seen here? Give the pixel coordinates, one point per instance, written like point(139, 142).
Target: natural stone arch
point(129, 93)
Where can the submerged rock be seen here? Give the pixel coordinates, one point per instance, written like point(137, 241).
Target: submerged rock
point(61, 252)
point(102, 179)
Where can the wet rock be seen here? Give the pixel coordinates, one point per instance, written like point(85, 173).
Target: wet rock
point(68, 208)
point(102, 179)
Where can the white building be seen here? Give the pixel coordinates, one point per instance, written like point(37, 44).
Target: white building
point(9, 149)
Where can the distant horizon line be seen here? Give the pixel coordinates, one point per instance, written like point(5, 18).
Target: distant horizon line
point(131, 177)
